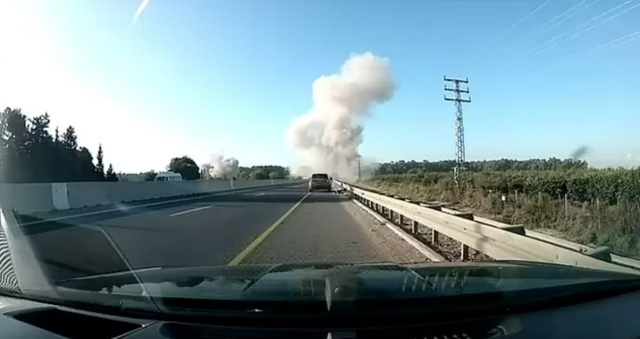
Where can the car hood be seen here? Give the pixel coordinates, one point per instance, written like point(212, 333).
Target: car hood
point(299, 282)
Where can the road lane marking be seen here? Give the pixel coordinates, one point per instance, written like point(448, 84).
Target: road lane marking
point(259, 194)
point(240, 257)
point(190, 211)
point(123, 207)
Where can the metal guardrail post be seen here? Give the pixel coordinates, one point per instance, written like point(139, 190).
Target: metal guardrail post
point(414, 227)
point(464, 252)
point(434, 236)
point(400, 219)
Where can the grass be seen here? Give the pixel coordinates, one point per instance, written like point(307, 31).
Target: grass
point(616, 226)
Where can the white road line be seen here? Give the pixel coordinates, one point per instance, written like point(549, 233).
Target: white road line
point(190, 211)
point(228, 192)
point(259, 194)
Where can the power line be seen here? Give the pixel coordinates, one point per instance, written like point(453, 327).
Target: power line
point(459, 100)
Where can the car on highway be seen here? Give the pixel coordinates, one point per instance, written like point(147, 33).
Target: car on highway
point(320, 181)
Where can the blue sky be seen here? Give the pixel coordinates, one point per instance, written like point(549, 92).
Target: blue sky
point(204, 77)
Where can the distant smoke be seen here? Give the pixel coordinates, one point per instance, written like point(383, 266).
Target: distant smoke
point(223, 168)
point(141, 9)
point(580, 152)
point(328, 136)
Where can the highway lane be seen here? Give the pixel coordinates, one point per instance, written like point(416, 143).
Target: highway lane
point(146, 237)
point(276, 225)
point(327, 227)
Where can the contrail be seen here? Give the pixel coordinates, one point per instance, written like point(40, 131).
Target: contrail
point(523, 19)
point(569, 35)
point(615, 42)
point(542, 28)
point(571, 16)
point(602, 22)
point(605, 13)
point(141, 8)
point(545, 46)
point(532, 13)
point(631, 37)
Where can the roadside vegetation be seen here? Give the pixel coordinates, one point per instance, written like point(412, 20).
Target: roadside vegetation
point(565, 198)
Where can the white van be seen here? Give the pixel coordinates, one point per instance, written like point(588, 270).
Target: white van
point(168, 176)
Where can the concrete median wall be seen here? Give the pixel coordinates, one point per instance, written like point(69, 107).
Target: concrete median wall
point(42, 197)
point(35, 197)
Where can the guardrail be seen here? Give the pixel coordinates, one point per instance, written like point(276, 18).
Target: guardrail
point(496, 240)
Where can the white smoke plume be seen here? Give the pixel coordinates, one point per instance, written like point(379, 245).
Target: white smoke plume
point(328, 136)
point(221, 168)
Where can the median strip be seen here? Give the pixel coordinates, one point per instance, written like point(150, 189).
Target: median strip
point(190, 211)
point(240, 257)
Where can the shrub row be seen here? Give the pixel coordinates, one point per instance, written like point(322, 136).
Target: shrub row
point(605, 185)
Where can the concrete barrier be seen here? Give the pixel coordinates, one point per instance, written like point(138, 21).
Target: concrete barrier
point(31, 196)
point(43, 197)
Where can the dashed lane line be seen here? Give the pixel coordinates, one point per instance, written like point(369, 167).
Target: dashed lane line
point(240, 257)
point(190, 211)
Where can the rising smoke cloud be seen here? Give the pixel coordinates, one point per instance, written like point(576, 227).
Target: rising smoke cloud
point(221, 168)
point(326, 139)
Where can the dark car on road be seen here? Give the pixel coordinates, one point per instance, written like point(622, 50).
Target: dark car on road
point(319, 181)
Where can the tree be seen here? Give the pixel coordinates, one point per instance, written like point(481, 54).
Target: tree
point(111, 175)
point(84, 169)
point(100, 164)
point(149, 176)
point(260, 174)
point(263, 172)
point(41, 149)
point(56, 140)
point(16, 146)
point(186, 167)
point(276, 175)
point(28, 152)
point(70, 139)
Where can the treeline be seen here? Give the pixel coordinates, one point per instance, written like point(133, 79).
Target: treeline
point(415, 167)
point(29, 153)
point(263, 172)
point(190, 171)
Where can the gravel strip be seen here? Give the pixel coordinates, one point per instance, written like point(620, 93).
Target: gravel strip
point(394, 247)
point(447, 247)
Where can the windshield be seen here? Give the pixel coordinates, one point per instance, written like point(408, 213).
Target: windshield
point(163, 152)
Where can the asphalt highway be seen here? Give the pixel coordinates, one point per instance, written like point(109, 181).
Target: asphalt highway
point(260, 226)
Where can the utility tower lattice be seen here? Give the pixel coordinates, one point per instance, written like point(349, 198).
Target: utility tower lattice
point(460, 157)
